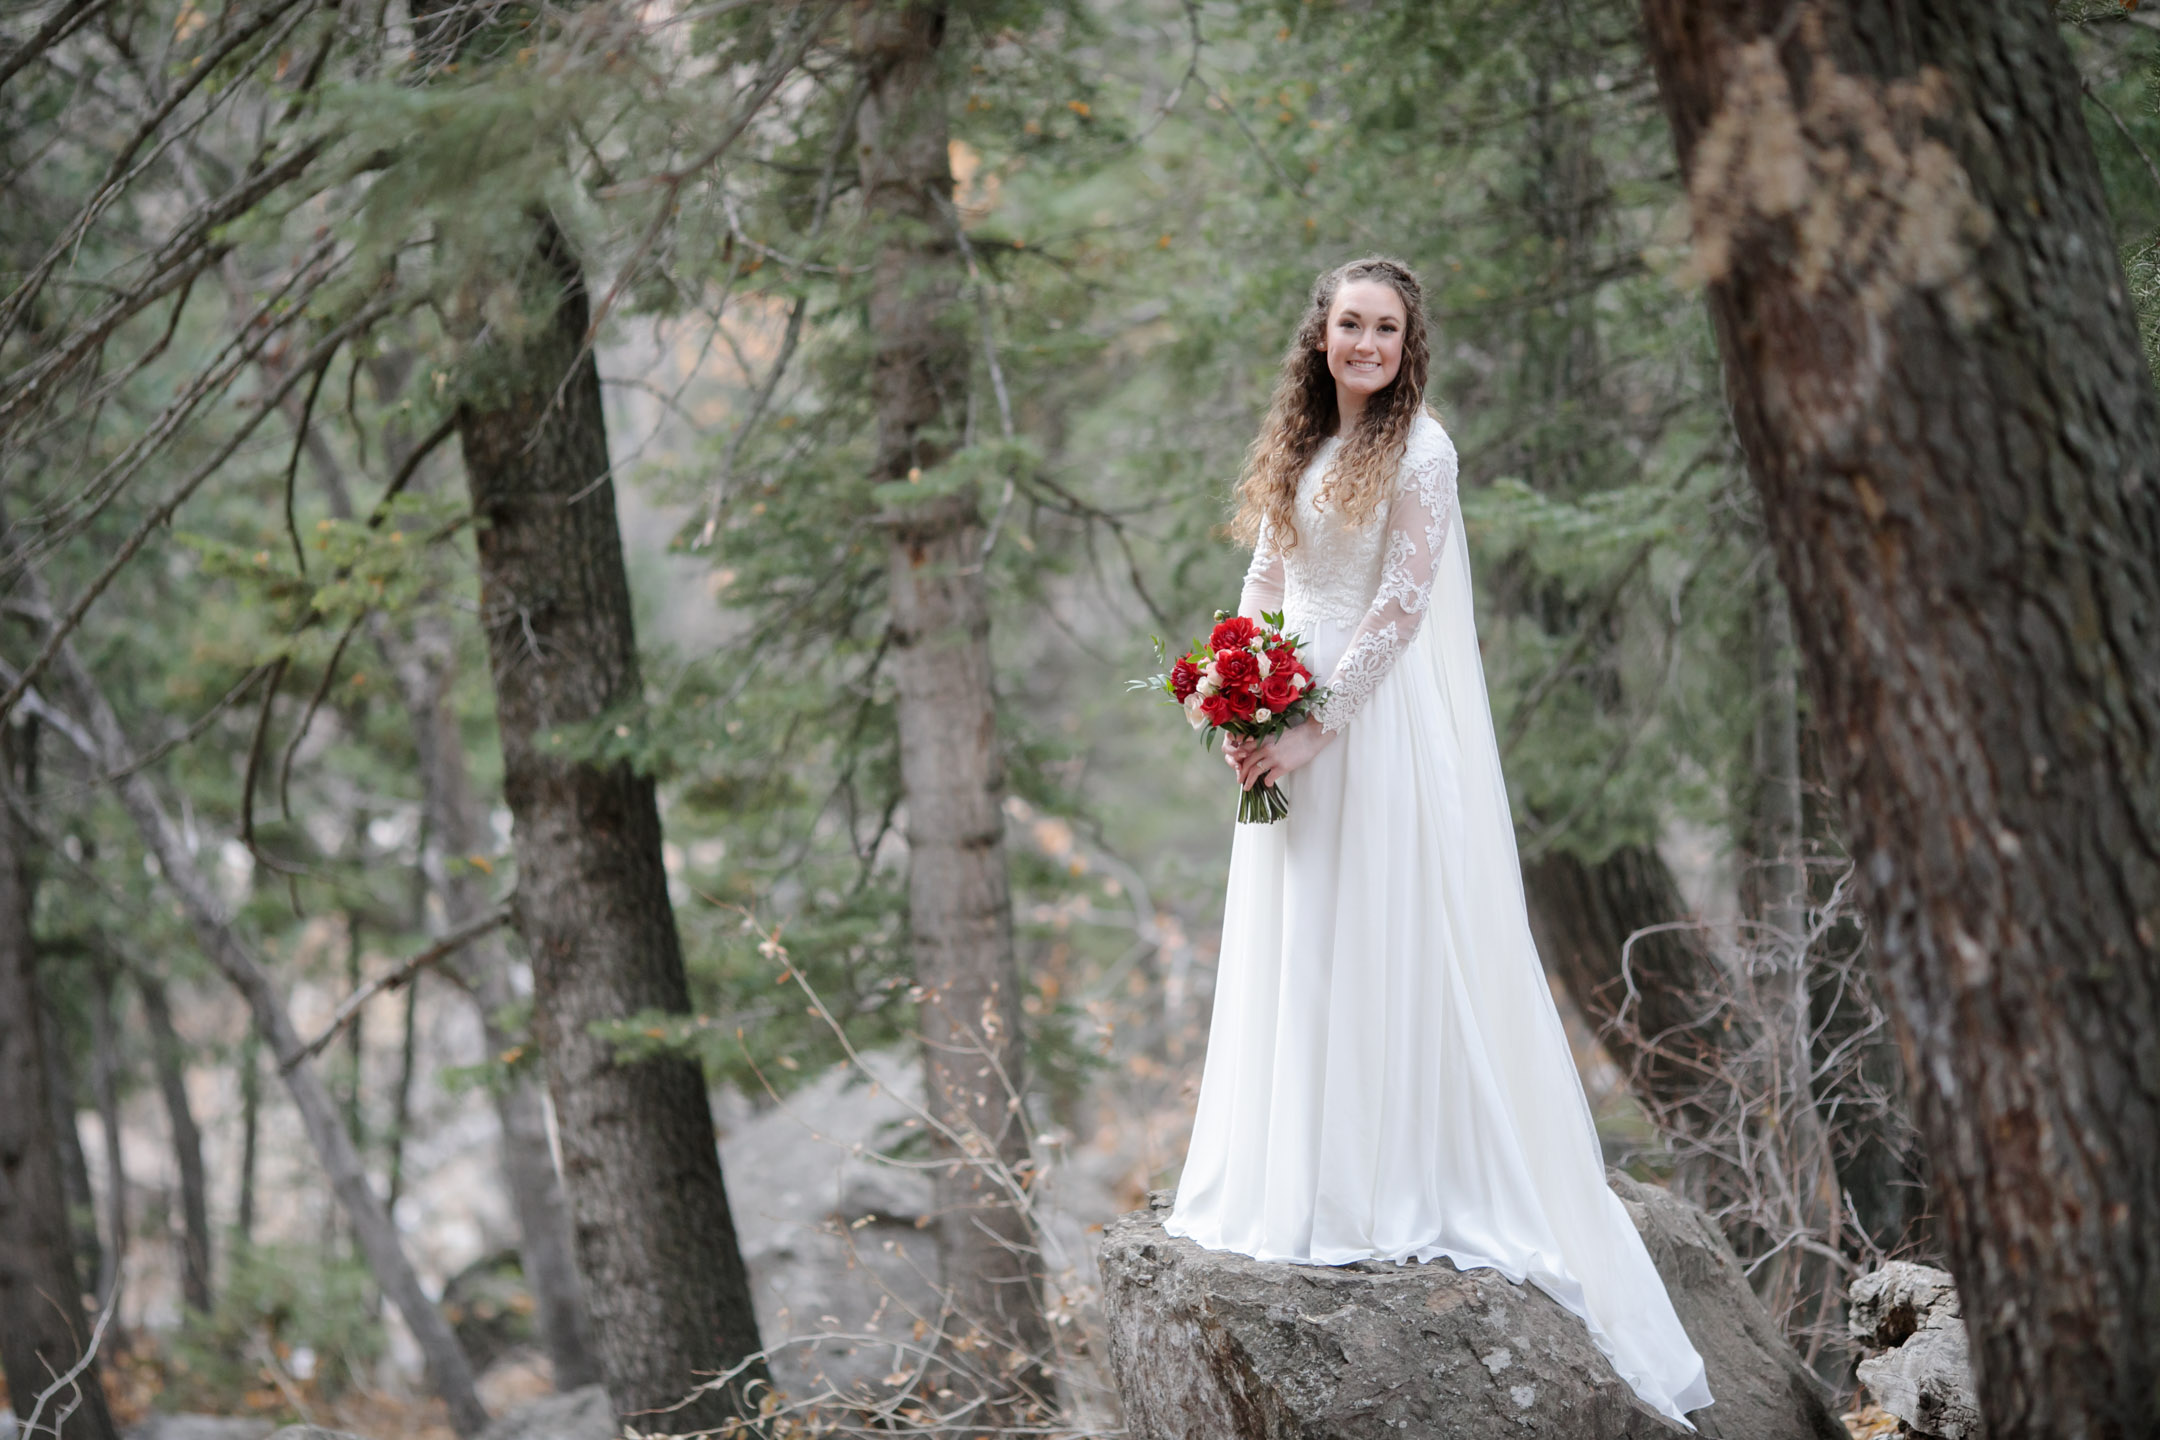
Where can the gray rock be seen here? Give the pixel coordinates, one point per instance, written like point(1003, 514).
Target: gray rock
point(1924, 1375)
point(838, 1266)
point(1209, 1346)
point(200, 1427)
point(1760, 1385)
point(582, 1414)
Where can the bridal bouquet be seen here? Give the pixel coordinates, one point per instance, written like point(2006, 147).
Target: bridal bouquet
point(1245, 680)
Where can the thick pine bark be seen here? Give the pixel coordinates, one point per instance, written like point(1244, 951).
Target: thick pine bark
point(664, 1277)
point(959, 906)
point(170, 1058)
point(43, 1326)
point(1940, 388)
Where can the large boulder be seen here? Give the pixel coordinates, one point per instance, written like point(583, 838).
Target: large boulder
point(1211, 1346)
point(1923, 1375)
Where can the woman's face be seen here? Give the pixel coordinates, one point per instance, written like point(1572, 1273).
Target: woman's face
point(1364, 338)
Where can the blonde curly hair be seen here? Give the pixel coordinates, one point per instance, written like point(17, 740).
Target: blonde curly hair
point(1302, 415)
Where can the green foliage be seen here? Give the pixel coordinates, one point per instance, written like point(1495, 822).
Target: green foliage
point(307, 1310)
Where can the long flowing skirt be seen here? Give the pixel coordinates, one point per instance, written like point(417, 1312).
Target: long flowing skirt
point(1387, 1076)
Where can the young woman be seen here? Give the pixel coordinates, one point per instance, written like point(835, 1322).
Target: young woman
point(1386, 1075)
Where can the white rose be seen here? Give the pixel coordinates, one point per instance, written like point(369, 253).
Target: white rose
point(1193, 713)
point(1266, 665)
point(1262, 715)
point(1209, 684)
point(1297, 682)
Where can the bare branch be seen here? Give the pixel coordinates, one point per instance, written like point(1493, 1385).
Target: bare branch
point(2123, 129)
point(65, 624)
point(120, 172)
point(63, 22)
point(394, 979)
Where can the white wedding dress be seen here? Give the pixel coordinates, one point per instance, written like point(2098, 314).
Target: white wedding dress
point(1386, 1075)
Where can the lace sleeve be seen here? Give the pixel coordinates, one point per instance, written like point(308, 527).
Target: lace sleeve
point(1417, 530)
point(1263, 579)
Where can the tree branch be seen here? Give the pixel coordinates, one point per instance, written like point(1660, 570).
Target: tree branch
point(796, 315)
point(450, 944)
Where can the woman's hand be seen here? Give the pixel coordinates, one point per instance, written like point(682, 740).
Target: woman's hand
point(1267, 762)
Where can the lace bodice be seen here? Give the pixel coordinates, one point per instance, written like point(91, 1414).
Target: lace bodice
point(1330, 574)
point(1377, 576)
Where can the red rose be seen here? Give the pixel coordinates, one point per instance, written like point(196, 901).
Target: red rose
point(1238, 668)
point(1217, 709)
point(1285, 659)
point(1184, 679)
point(1232, 633)
point(1277, 692)
point(1242, 704)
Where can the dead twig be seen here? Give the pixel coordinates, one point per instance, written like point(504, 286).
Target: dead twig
point(67, 1379)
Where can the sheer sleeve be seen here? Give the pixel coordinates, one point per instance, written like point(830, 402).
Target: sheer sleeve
point(1417, 532)
point(1263, 590)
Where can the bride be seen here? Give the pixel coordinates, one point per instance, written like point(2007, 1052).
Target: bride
point(1386, 1075)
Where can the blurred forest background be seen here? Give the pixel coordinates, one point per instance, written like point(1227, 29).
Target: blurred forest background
point(280, 276)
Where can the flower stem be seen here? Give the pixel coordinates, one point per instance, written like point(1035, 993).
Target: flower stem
point(1262, 805)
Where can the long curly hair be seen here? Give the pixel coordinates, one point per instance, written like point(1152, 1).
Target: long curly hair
point(1302, 415)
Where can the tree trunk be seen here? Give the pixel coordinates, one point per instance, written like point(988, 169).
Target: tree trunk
point(656, 1244)
point(401, 1097)
point(423, 662)
point(43, 1326)
point(319, 1112)
point(1584, 915)
point(74, 1167)
point(959, 908)
point(1881, 1160)
point(250, 1128)
point(355, 1049)
point(105, 1085)
point(1801, 1286)
point(1940, 388)
point(170, 1057)
point(458, 830)
point(1773, 888)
